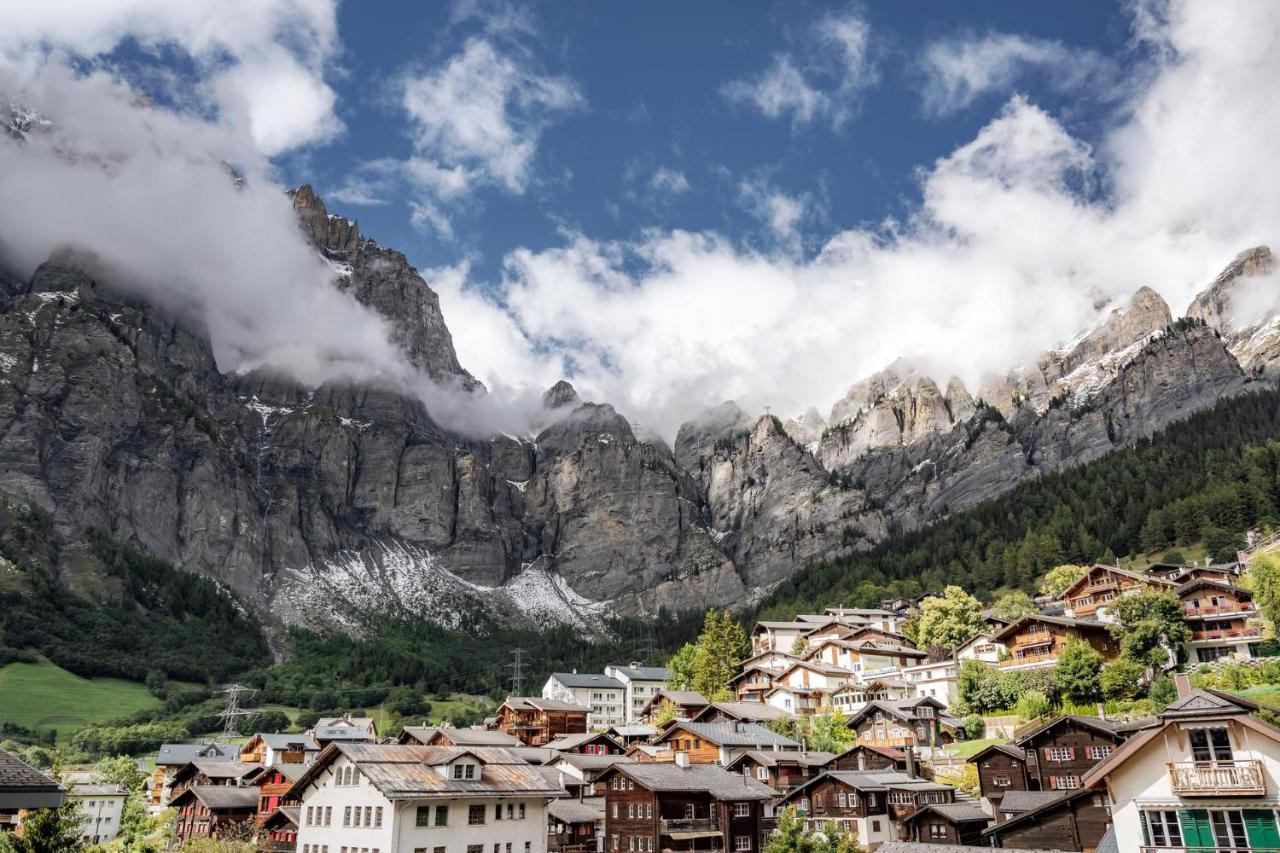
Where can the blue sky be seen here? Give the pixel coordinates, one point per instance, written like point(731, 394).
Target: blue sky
point(651, 78)
point(670, 204)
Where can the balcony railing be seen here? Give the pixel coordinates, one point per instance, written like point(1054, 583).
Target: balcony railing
point(1029, 659)
point(1244, 608)
point(1214, 849)
point(690, 824)
point(1100, 586)
point(707, 846)
point(1033, 640)
point(1217, 778)
point(1226, 633)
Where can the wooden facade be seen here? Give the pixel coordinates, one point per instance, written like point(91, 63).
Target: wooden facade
point(1076, 822)
point(1036, 641)
point(870, 758)
point(1001, 768)
point(536, 722)
point(781, 771)
point(902, 724)
point(1060, 752)
point(679, 739)
point(959, 823)
point(1103, 584)
point(201, 815)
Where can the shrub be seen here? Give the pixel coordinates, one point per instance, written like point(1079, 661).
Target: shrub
point(1161, 692)
point(1122, 678)
point(1032, 704)
point(973, 726)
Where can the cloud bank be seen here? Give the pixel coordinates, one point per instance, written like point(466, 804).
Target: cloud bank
point(1020, 234)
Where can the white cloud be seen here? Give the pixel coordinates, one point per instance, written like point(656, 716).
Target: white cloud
point(1020, 233)
point(828, 85)
point(958, 70)
point(668, 181)
point(781, 213)
point(261, 62)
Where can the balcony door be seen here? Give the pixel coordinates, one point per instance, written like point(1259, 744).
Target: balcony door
point(1210, 745)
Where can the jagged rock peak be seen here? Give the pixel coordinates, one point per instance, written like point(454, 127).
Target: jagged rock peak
point(336, 236)
point(1216, 304)
point(806, 430)
point(560, 395)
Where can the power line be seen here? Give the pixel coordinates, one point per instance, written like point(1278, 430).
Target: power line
point(233, 711)
point(517, 672)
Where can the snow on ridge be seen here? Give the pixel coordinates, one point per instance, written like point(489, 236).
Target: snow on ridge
point(265, 411)
point(1094, 375)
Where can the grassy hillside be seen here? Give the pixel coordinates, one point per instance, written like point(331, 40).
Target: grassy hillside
point(44, 696)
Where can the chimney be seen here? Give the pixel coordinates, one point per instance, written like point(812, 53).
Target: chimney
point(911, 761)
point(682, 758)
point(1183, 682)
point(862, 759)
point(1102, 711)
point(635, 664)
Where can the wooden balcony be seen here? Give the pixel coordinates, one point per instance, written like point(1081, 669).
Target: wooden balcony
point(686, 824)
point(1225, 634)
point(1217, 778)
point(1100, 586)
point(1027, 660)
point(1028, 641)
point(1242, 608)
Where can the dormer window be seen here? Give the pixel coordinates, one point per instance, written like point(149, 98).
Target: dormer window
point(1210, 744)
point(464, 770)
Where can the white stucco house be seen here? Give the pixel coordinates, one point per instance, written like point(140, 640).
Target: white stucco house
point(604, 695)
point(393, 798)
point(640, 684)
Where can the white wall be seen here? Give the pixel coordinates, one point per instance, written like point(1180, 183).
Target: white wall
point(100, 816)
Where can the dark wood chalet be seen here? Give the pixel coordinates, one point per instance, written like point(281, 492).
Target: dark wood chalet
point(1002, 768)
point(687, 704)
point(870, 758)
point(949, 823)
point(1034, 641)
point(572, 824)
point(535, 721)
point(279, 833)
point(718, 743)
point(214, 811)
point(587, 743)
point(1072, 821)
point(1222, 618)
point(781, 771)
point(873, 804)
point(738, 712)
point(272, 783)
point(1101, 585)
point(1059, 752)
point(900, 723)
point(753, 682)
point(683, 807)
point(210, 773)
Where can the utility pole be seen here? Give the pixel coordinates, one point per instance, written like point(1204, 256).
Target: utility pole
point(233, 711)
point(517, 673)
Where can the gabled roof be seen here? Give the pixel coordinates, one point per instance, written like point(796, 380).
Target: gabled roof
point(584, 761)
point(282, 740)
point(1096, 724)
point(769, 653)
point(860, 611)
point(177, 754)
point(564, 743)
point(747, 712)
point(1207, 703)
point(401, 771)
point(218, 769)
point(1036, 815)
point(417, 734)
point(682, 698)
point(1221, 586)
point(900, 708)
point(862, 780)
point(1017, 802)
point(1142, 577)
point(748, 669)
point(283, 818)
point(534, 755)
point(292, 772)
point(696, 778)
point(573, 810)
point(771, 758)
point(17, 776)
point(961, 812)
point(818, 667)
point(537, 703)
point(478, 737)
point(221, 797)
point(1064, 621)
point(887, 751)
point(642, 673)
point(633, 730)
point(731, 734)
point(1007, 748)
point(595, 680)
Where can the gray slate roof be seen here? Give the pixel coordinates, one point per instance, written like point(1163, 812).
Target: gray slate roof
point(172, 754)
point(220, 797)
point(644, 673)
point(956, 812)
point(770, 758)
point(1025, 801)
point(735, 734)
point(588, 679)
point(479, 737)
point(709, 778)
point(280, 740)
point(572, 810)
point(17, 775)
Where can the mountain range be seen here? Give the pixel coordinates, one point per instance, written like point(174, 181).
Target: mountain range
point(348, 504)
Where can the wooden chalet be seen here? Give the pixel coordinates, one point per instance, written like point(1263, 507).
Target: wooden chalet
point(211, 774)
point(535, 721)
point(573, 824)
point(416, 735)
point(632, 733)
point(344, 729)
point(278, 748)
point(172, 757)
point(717, 743)
point(1002, 769)
point(906, 723)
point(753, 681)
point(214, 811)
point(1034, 641)
point(1061, 750)
point(872, 804)
point(279, 832)
point(781, 771)
point(587, 743)
point(272, 784)
point(1222, 619)
point(1181, 574)
point(1072, 820)
point(681, 807)
point(1088, 597)
point(948, 823)
point(864, 656)
point(687, 704)
point(579, 774)
point(864, 757)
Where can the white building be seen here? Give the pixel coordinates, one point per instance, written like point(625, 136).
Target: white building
point(392, 798)
point(937, 680)
point(100, 808)
point(982, 647)
point(1204, 779)
point(605, 696)
point(641, 684)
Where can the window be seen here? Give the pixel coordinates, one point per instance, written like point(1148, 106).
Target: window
point(842, 800)
point(436, 850)
point(368, 815)
point(1228, 830)
point(497, 811)
point(511, 811)
point(875, 826)
point(346, 816)
point(742, 810)
point(762, 773)
point(938, 830)
point(442, 815)
point(475, 848)
point(1065, 783)
point(521, 811)
point(377, 816)
point(1099, 752)
point(1210, 745)
point(1001, 781)
point(1164, 828)
point(423, 818)
point(328, 815)
point(631, 811)
point(475, 815)
point(742, 842)
point(1058, 753)
point(615, 810)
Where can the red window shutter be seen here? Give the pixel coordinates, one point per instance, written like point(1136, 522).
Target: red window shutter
point(1053, 782)
point(1071, 753)
point(1047, 754)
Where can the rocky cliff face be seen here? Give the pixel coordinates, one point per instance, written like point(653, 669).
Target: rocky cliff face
point(346, 505)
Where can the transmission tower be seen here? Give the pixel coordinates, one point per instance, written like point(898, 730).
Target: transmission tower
point(233, 711)
point(517, 673)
